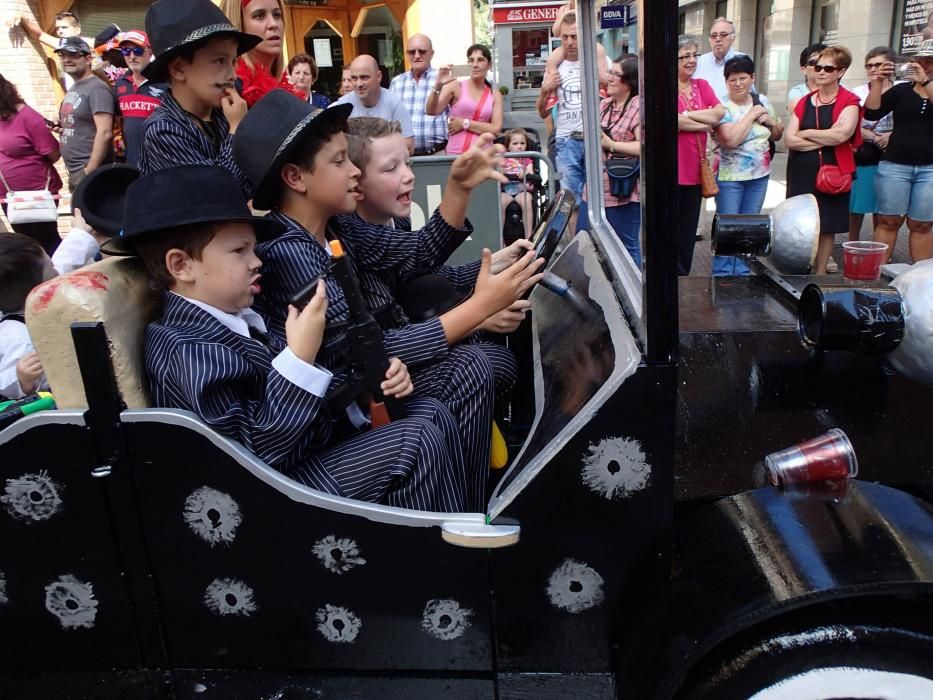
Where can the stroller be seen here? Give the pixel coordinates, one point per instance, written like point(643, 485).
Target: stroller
point(513, 224)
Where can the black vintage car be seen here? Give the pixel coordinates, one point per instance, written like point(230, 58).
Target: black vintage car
point(633, 548)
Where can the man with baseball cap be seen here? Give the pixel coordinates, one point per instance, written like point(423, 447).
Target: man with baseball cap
point(85, 115)
point(137, 97)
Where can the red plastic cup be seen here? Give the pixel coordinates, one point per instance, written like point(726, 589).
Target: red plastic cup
point(829, 457)
point(863, 259)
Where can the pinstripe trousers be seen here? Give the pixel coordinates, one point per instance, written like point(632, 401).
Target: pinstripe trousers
point(415, 463)
point(464, 382)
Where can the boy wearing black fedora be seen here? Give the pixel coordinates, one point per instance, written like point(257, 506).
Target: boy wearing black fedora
point(296, 156)
point(209, 353)
point(195, 49)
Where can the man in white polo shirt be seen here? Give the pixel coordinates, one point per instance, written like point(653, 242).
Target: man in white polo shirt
point(710, 65)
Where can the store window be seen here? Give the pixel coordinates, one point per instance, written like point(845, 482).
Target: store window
point(530, 49)
point(826, 22)
point(97, 14)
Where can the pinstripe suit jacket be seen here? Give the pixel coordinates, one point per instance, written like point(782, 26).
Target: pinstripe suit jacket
point(170, 137)
point(294, 258)
point(196, 363)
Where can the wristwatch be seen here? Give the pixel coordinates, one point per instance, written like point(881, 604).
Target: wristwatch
point(466, 124)
point(926, 82)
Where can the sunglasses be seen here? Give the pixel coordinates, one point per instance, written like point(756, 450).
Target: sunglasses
point(828, 69)
point(614, 74)
point(812, 63)
point(132, 50)
point(688, 55)
point(872, 66)
point(721, 35)
point(412, 52)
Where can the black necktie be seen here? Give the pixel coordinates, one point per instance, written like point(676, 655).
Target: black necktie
point(257, 334)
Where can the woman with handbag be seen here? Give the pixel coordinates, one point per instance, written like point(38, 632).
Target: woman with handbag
point(821, 137)
point(904, 181)
point(699, 111)
point(27, 152)
point(875, 136)
point(620, 117)
point(745, 136)
point(475, 108)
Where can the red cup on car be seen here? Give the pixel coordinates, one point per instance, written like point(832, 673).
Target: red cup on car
point(828, 457)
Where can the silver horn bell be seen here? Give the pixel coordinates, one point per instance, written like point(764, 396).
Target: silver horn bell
point(789, 236)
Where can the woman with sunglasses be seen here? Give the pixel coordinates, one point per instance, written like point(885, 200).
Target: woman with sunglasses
point(875, 136)
point(475, 108)
point(262, 68)
point(699, 111)
point(904, 180)
point(823, 130)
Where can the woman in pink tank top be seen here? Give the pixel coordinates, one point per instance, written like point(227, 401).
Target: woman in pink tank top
point(475, 108)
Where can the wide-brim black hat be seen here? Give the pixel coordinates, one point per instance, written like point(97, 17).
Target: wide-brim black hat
point(175, 24)
point(271, 131)
point(183, 196)
point(101, 197)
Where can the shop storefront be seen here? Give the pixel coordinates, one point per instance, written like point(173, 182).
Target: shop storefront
point(915, 24)
point(523, 43)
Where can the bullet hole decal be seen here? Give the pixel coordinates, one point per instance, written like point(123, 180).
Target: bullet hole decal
point(338, 555)
point(71, 601)
point(228, 596)
point(32, 497)
point(445, 619)
point(212, 515)
point(337, 624)
point(575, 587)
point(616, 468)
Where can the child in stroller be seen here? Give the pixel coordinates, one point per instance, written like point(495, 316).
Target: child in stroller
point(516, 197)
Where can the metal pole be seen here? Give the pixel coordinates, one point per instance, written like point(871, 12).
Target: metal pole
point(657, 47)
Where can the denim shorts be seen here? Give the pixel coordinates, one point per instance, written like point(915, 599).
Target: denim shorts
point(570, 165)
point(905, 189)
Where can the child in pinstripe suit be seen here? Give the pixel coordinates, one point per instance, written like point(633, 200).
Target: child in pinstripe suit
point(209, 353)
point(297, 159)
point(386, 182)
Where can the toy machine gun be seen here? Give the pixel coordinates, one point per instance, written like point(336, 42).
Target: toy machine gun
point(363, 346)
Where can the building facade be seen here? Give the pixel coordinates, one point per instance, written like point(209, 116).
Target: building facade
point(334, 31)
point(774, 32)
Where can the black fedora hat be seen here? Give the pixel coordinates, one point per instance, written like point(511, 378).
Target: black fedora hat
point(101, 196)
point(183, 196)
point(175, 24)
point(268, 134)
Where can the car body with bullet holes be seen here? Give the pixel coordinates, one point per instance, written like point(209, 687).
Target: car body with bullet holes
point(631, 548)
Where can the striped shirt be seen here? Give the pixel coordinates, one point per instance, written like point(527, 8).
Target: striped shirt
point(430, 131)
point(171, 137)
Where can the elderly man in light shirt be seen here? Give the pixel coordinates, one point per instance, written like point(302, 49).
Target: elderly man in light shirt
point(710, 65)
point(413, 88)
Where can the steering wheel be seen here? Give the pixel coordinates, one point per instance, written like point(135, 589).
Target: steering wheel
point(554, 222)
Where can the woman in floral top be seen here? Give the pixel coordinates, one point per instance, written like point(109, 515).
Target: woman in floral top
point(745, 161)
point(621, 122)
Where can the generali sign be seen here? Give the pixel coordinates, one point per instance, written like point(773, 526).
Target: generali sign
point(532, 14)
